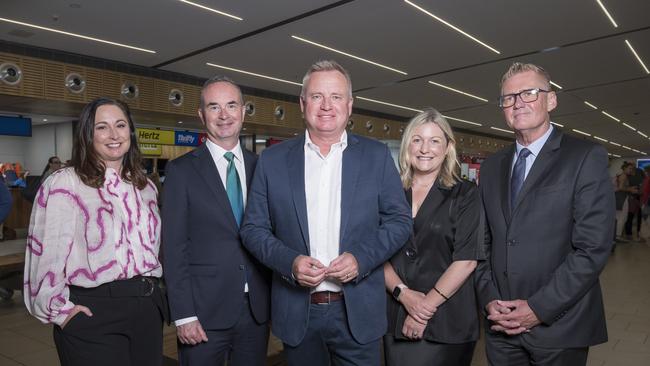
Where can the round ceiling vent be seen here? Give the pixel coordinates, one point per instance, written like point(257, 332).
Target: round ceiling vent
point(75, 83)
point(351, 124)
point(279, 112)
point(369, 126)
point(249, 107)
point(176, 97)
point(401, 130)
point(129, 90)
point(10, 73)
point(386, 127)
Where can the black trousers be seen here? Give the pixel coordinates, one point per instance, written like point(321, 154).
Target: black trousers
point(244, 344)
point(413, 353)
point(125, 329)
point(504, 350)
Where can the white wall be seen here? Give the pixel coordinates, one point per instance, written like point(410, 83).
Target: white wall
point(32, 152)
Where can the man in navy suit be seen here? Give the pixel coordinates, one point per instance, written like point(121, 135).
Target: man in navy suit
point(218, 293)
point(326, 210)
point(550, 214)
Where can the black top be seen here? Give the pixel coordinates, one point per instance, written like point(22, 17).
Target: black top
point(444, 230)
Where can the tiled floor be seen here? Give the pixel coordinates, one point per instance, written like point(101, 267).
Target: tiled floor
point(626, 284)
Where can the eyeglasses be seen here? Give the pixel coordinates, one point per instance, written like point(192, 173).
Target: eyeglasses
point(526, 96)
point(230, 108)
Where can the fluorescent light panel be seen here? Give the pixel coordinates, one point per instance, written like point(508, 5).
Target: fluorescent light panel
point(615, 144)
point(212, 10)
point(637, 56)
point(453, 27)
point(462, 120)
point(591, 105)
point(557, 124)
point(458, 91)
point(610, 116)
point(628, 126)
point(615, 155)
point(77, 35)
point(389, 104)
point(626, 147)
point(642, 134)
point(581, 132)
point(501, 129)
point(607, 13)
point(252, 73)
point(555, 84)
point(348, 54)
point(599, 138)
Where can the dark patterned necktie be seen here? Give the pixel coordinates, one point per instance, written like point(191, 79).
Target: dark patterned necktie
point(233, 188)
point(518, 175)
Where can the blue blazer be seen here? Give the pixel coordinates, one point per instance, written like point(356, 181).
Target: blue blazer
point(205, 265)
point(375, 223)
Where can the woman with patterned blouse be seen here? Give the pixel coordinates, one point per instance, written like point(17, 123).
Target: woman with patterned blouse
point(91, 263)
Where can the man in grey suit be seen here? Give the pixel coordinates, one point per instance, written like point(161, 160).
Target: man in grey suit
point(550, 213)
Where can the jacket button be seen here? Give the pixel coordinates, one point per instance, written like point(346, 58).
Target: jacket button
point(241, 266)
point(410, 253)
point(511, 242)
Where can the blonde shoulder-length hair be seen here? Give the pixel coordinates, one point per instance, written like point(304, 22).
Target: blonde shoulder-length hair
point(448, 175)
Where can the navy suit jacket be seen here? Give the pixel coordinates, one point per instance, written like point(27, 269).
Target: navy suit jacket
point(375, 223)
point(551, 247)
point(204, 262)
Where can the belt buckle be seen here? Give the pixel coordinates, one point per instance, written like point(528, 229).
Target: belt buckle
point(152, 286)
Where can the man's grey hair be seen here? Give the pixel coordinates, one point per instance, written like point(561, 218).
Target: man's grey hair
point(219, 79)
point(325, 65)
point(519, 67)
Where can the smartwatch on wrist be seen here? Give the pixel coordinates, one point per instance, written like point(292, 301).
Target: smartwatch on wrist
point(398, 291)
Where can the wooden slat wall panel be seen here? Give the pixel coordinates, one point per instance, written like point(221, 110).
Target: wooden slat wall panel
point(54, 76)
point(146, 94)
point(191, 96)
point(160, 92)
point(111, 84)
point(11, 89)
point(33, 79)
point(293, 116)
point(94, 84)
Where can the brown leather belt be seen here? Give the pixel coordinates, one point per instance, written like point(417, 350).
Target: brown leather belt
point(325, 297)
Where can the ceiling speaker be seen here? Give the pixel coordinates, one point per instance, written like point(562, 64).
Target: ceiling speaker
point(75, 83)
point(279, 112)
point(10, 74)
point(386, 127)
point(176, 97)
point(369, 126)
point(249, 107)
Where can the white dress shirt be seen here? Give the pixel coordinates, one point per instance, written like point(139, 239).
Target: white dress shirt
point(323, 195)
point(220, 161)
point(535, 147)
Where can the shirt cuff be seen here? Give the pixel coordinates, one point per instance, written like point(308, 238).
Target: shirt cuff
point(182, 321)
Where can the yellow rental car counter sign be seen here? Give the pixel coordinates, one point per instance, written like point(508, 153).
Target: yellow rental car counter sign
point(157, 137)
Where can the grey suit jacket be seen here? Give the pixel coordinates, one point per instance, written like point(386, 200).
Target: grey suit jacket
point(551, 247)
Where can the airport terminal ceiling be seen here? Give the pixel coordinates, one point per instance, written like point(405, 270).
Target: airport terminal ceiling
point(403, 55)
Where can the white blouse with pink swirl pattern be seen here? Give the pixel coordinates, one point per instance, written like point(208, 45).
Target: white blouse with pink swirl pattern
point(84, 236)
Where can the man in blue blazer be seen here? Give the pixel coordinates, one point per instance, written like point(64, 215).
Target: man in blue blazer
point(326, 210)
point(218, 294)
point(549, 206)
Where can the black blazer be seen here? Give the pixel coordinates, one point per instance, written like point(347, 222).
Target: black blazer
point(203, 260)
point(446, 229)
point(551, 248)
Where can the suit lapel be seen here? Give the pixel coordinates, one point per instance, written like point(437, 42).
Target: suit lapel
point(505, 176)
point(543, 162)
point(431, 205)
point(349, 176)
point(296, 165)
point(249, 166)
point(207, 170)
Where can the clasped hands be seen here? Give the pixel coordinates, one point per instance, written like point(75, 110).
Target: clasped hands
point(420, 309)
point(310, 272)
point(511, 317)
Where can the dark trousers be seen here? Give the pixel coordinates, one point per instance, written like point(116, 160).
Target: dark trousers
point(425, 353)
point(125, 329)
point(328, 341)
point(503, 350)
point(244, 344)
point(630, 219)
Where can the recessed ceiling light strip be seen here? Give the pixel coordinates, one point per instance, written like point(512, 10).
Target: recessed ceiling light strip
point(501, 129)
point(637, 56)
point(212, 10)
point(599, 138)
point(615, 144)
point(628, 126)
point(458, 91)
point(615, 155)
point(591, 105)
point(626, 147)
point(462, 120)
point(555, 84)
point(453, 27)
point(76, 35)
point(348, 54)
point(610, 116)
point(253, 74)
point(581, 132)
point(642, 134)
point(607, 13)
point(557, 124)
point(389, 104)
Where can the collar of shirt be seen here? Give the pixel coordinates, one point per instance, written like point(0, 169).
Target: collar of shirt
point(342, 144)
point(536, 146)
point(217, 151)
